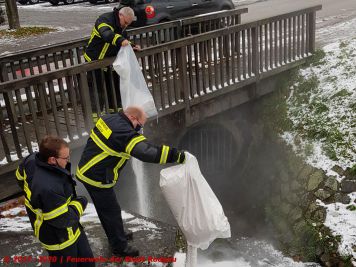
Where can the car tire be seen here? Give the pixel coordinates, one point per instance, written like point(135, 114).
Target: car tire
point(32, 2)
point(68, 2)
point(23, 2)
point(54, 2)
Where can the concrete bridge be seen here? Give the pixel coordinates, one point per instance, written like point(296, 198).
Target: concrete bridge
point(195, 68)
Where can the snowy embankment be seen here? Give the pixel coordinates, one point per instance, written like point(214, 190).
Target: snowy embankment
point(322, 108)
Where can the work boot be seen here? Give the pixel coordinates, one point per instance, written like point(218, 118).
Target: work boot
point(128, 251)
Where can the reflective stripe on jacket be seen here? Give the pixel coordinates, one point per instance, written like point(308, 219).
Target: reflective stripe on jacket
point(112, 142)
point(49, 192)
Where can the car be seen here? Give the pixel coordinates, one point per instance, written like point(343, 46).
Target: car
point(106, 1)
point(31, 2)
point(56, 2)
point(150, 12)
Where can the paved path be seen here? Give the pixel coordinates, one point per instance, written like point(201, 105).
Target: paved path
point(76, 21)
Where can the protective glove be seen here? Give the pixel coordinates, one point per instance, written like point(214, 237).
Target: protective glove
point(83, 201)
point(178, 156)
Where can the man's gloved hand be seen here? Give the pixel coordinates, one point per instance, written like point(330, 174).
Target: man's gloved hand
point(178, 155)
point(83, 201)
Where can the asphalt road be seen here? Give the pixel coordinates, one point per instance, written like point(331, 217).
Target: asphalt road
point(76, 21)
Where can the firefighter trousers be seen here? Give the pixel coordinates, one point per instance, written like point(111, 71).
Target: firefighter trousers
point(109, 213)
point(67, 257)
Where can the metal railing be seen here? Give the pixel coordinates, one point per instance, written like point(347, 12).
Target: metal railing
point(35, 61)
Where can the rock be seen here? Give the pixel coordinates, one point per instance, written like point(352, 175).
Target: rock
point(295, 186)
point(343, 198)
point(319, 215)
point(285, 208)
point(325, 258)
point(338, 170)
point(295, 214)
point(285, 190)
point(348, 186)
point(283, 175)
point(322, 194)
point(331, 183)
point(315, 180)
point(304, 174)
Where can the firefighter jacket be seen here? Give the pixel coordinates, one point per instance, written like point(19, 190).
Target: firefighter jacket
point(112, 142)
point(106, 37)
point(51, 203)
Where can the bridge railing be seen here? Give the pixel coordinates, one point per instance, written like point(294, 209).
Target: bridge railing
point(35, 61)
point(180, 74)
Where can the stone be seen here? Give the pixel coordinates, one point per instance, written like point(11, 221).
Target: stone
point(332, 183)
point(311, 209)
point(343, 198)
point(300, 227)
point(319, 215)
point(283, 176)
point(294, 199)
point(315, 180)
point(304, 174)
point(285, 190)
point(285, 208)
point(322, 194)
point(338, 170)
point(295, 186)
point(348, 186)
point(295, 214)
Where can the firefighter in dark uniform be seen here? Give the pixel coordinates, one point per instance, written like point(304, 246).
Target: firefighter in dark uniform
point(51, 202)
point(113, 140)
point(107, 37)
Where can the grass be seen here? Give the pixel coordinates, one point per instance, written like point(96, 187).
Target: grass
point(320, 107)
point(24, 32)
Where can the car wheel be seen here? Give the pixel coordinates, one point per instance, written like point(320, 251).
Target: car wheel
point(32, 2)
point(23, 2)
point(54, 2)
point(67, 2)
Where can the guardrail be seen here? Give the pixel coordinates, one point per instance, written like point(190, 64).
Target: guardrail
point(35, 61)
point(180, 74)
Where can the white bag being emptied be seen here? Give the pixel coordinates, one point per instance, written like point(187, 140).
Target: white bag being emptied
point(194, 205)
point(133, 87)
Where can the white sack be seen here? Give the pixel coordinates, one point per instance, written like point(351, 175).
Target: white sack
point(194, 205)
point(133, 87)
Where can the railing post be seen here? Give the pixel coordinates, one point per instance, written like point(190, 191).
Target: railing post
point(184, 79)
point(255, 60)
point(85, 99)
point(311, 31)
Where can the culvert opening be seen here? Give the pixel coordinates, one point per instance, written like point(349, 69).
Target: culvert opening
point(222, 150)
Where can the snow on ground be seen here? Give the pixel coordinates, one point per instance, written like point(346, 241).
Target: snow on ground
point(342, 222)
point(16, 220)
point(324, 126)
point(46, 6)
point(247, 252)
